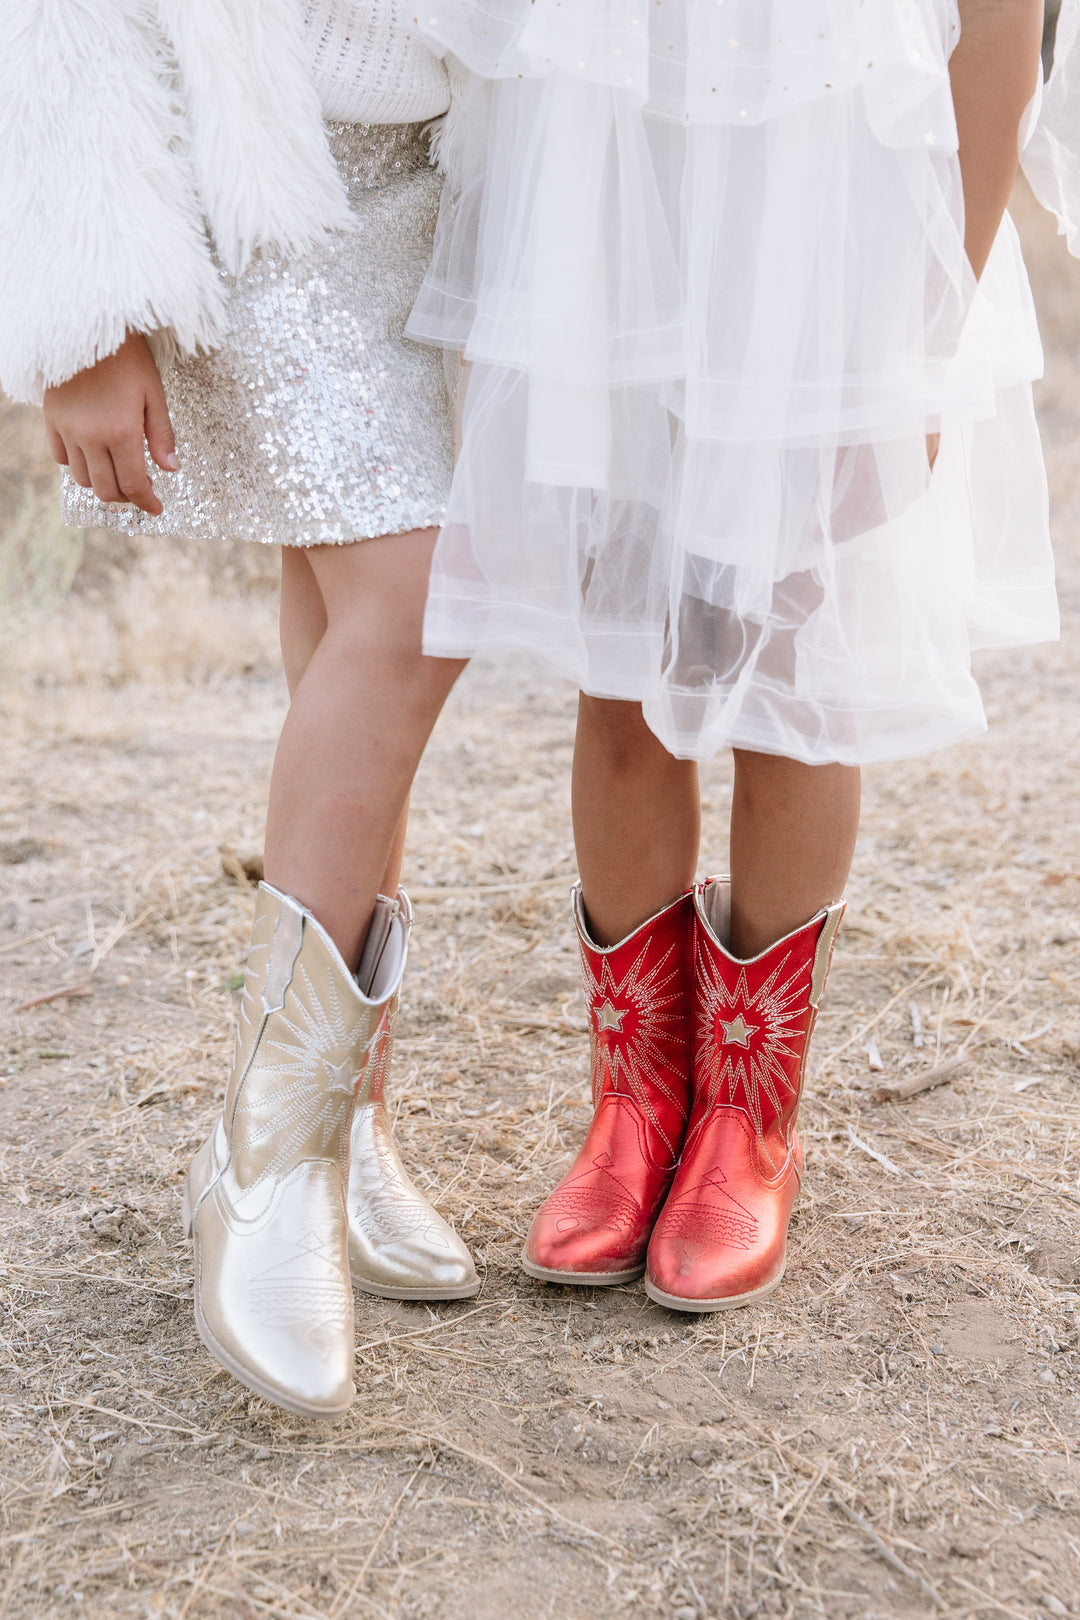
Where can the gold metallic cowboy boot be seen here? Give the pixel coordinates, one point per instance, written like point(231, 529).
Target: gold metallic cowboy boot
point(399, 1248)
point(265, 1195)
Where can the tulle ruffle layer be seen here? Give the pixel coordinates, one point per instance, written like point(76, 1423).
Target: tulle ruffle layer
point(710, 330)
point(788, 281)
point(1052, 156)
point(738, 62)
point(856, 648)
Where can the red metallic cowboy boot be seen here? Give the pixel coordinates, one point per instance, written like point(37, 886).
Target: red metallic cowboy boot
point(595, 1226)
point(721, 1238)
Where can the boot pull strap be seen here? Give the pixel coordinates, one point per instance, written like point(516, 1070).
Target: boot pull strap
point(390, 924)
point(823, 952)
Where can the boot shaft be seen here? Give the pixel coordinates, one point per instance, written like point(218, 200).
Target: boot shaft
point(382, 964)
point(639, 1002)
point(308, 1039)
point(754, 1018)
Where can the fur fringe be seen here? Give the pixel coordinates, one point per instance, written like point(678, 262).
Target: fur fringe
point(127, 128)
point(258, 146)
point(102, 231)
point(445, 133)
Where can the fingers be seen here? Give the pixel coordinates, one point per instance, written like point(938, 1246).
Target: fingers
point(120, 475)
point(116, 474)
point(132, 478)
point(79, 470)
point(102, 420)
point(102, 473)
point(57, 448)
point(160, 440)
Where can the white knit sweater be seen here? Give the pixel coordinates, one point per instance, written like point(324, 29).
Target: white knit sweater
point(136, 134)
point(369, 64)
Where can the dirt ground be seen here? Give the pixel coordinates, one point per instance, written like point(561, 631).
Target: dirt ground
point(894, 1434)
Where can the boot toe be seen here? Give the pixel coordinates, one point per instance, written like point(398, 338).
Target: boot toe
point(455, 1278)
point(302, 1365)
point(303, 1372)
point(455, 1270)
point(702, 1272)
point(438, 1262)
point(685, 1271)
point(427, 1262)
point(579, 1244)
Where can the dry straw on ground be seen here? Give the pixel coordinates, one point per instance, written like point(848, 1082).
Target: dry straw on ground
point(895, 1434)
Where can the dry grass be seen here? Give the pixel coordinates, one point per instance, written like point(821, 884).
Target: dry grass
point(894, 1435)
point(134, 611)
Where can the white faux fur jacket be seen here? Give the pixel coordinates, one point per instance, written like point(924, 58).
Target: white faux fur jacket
point(114, 115)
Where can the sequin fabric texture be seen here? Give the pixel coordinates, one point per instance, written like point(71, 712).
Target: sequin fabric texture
point(317, 422)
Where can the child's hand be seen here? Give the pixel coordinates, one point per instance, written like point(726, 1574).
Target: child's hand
point(98, 419)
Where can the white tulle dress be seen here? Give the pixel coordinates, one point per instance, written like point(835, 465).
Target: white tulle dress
point(706, 258)
point(1052, 156)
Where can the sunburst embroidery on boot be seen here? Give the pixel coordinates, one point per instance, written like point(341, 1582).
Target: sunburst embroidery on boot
point(638, 1024)
point(296, 1098)
point(370, 1082)
point(748, 1049)
point(251, 1013)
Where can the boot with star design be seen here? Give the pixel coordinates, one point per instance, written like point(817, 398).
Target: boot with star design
point(264, 1199)
point(594, 1228)
point(300, 1176)
point(721, 1238)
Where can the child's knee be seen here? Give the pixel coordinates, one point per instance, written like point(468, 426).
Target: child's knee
point(616, 737)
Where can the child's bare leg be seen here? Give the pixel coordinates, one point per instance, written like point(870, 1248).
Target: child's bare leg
point(302, 617)
point(637, 818)
point(302, 626)
point(793, 830)
point(361, 712)
point(637, 826)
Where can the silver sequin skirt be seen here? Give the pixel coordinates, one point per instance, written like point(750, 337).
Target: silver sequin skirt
point(317, 422)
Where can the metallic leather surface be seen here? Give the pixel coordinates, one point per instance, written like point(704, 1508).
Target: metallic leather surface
point(317, 422)
point(399, 1246)
point(595, 1226)
point(721, 1238)
point(265, 1197)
